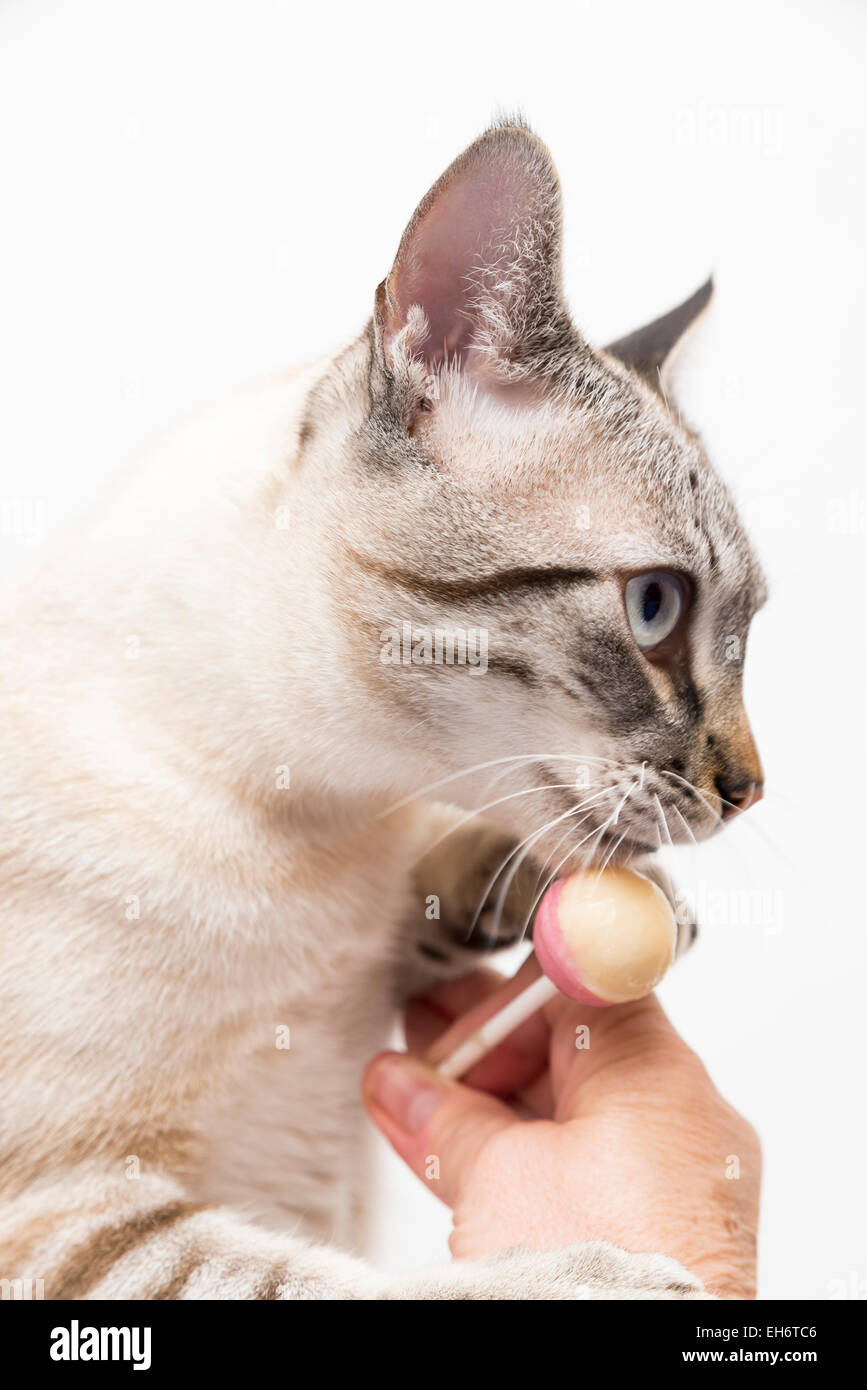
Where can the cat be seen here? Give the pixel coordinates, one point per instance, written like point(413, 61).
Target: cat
point(237, 827)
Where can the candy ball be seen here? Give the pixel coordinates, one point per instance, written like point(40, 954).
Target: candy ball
point(605, 938)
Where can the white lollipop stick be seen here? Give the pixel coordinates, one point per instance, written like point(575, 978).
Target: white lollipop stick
point(493, 1030)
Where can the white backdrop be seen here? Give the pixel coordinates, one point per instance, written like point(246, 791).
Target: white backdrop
point(194, 193)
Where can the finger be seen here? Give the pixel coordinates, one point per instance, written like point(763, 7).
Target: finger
point(422, 1025)
point(519, 1059)
point(506, 1071)
point(451, 998)
point(478, 1011)
point(438, 1127)
point(427, 1017)
point(598, 1055)
point(538, 1097)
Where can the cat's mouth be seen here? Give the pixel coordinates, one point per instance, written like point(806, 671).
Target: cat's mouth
point(620, 818)
point(629, 829)
point(595, 844)
point(623, 847)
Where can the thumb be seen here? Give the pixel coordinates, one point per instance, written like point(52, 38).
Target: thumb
point(600, 1057)
point(437, 1126)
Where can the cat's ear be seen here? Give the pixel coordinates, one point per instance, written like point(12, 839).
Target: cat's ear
point(480, 259)
point(648, 349)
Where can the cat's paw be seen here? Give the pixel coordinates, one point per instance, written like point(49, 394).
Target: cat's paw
point(466, 899)
point(595, 1270)
point(684, 913)
point(485, 892)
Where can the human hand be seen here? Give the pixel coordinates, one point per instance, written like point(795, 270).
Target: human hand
point(585, 1124)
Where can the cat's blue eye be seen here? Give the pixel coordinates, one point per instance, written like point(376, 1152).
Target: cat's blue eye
point(654, 603)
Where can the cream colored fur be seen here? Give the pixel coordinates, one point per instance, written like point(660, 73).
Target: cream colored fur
point(168, 906)
point(209, 919)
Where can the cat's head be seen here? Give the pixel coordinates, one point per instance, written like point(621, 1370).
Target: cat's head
point(540, 571)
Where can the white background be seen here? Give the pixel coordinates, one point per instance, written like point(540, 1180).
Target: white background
point(196, 193)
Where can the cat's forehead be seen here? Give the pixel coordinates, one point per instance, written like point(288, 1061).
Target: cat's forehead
point(608, 432)
point(609, 478)
point(626, 467)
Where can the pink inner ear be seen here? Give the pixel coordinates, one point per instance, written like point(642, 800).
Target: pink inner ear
point(470, 221)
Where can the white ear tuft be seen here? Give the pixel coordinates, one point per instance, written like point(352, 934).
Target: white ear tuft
point(480, 258)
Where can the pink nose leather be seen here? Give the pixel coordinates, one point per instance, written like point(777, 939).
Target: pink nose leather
point(740, 798)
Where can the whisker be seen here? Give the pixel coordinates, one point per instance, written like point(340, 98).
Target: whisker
point(606, 861)
point(666, 772)
point(496, 762)
point(664, 821)
point(581, 820)
point(539, 896)
point(622, 803)
point(550, 855)
point(618, 842)
point(489, 805)
point(568, 830)
point(685, 824)
point(521, 849)
point(501, 898)
point(751, 825)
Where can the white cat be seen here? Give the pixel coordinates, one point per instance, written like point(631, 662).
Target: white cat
point(210, 904)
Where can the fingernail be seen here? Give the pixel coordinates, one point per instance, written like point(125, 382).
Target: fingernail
point(403, 1088)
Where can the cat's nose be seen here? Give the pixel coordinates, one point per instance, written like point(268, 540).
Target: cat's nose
point(738, 798)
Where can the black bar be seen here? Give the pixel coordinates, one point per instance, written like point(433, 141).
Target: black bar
point(291, 1339)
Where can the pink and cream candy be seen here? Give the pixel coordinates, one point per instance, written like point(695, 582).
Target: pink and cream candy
point(601, 938)
point(605, 938)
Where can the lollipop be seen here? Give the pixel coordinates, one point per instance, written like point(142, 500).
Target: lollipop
point(601, 938)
